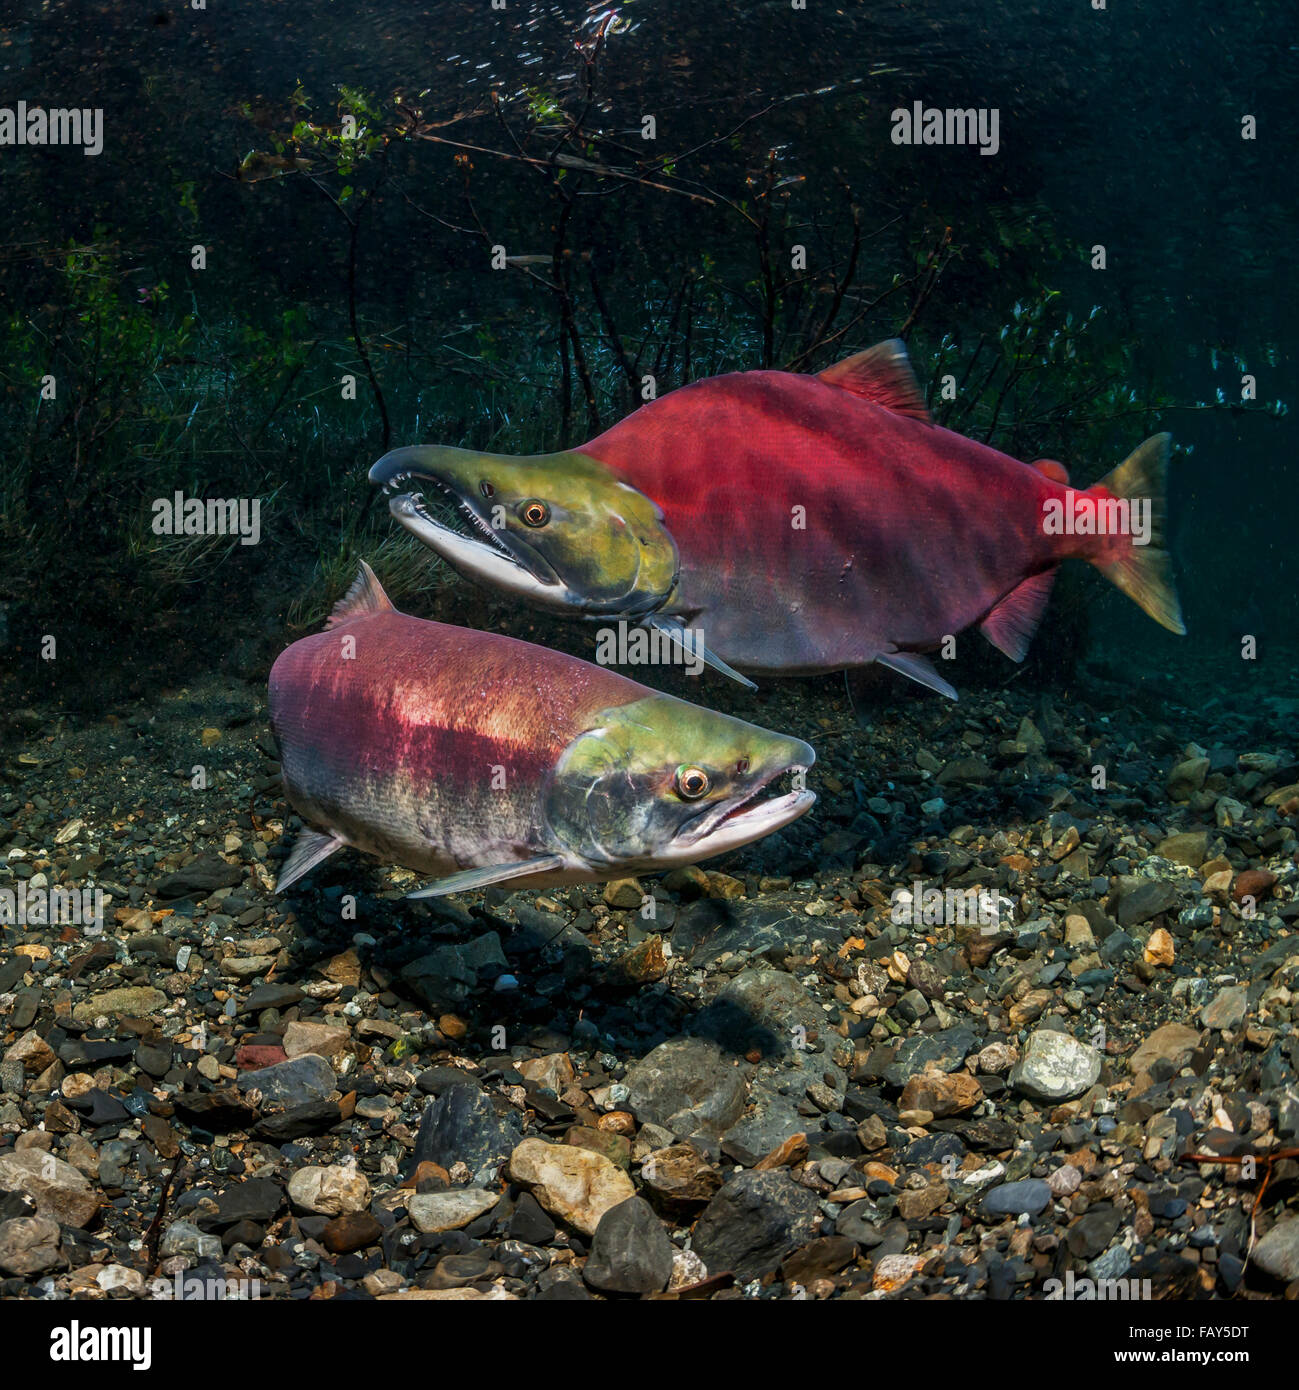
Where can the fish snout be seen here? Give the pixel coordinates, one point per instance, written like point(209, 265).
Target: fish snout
point(804, 755)
point(416, 464)
point(789, 757)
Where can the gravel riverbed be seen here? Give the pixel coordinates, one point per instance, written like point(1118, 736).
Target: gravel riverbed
point(792, 1073)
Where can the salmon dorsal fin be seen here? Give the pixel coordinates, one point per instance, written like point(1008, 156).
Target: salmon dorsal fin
point(365, 596)
point(1053, 469)
point(881, 374)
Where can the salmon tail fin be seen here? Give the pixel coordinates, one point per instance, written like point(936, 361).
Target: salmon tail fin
point(1145, 571)
point(365, 596)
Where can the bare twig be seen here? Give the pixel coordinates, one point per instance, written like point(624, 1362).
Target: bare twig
point(154, 1233)
point(933, 268)
point(1267, 1160)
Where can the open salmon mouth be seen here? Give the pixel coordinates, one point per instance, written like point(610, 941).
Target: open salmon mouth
point(454, 529)
point(774, 802)
point(409, 506)
point(408, 488)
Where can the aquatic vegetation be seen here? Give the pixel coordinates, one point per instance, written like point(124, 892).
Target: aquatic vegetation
point(760, 259)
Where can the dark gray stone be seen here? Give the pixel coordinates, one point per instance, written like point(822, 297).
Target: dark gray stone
point(100, 1107)
point(1278, 1251)
point(855, 1222)
point(299, 1081)
point(1148, 899)
point(1093, 1231)
point(1226, 1010)
point(199, 878)
point(26, 1006)
point(272, 997)
point(446, 977)
point(770, 1010)
point(155, 1059)
point(530, 1223)
point(769, 1119)
point(257, 1200)
point(315, 1117)
point(630, 1252)
point(12, 970)
point(710, 927)
point(688, 1086)
point(464, 1125)
point(1030, 1195)
point(753, 1223)
point(947, 1049)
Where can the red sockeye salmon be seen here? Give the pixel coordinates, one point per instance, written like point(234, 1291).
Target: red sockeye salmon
point(802, 523)
point(477, 759)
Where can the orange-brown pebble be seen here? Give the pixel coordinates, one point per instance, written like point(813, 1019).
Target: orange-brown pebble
point(1252, 883)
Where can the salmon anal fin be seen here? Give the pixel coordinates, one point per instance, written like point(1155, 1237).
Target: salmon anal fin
point(310, 848)
point(882, 374)
point(917, 668)
point(470, 879)
point(1011, 624)
point(1053, 469)
point(365, 596)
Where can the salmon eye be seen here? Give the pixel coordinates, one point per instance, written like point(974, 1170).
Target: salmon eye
point(486, 488)
point(692, 782)
point(535, 513)
point(742, 767)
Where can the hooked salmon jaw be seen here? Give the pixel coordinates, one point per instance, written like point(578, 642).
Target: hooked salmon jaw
point(485, 556)
point(558, 530)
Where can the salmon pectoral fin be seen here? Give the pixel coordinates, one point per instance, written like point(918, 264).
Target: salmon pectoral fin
point(1011, 624)
point(676, 630)
point(1144, 571)
point(1053, 469)
point(917, 668)
point(309, 849)
point(470, 879)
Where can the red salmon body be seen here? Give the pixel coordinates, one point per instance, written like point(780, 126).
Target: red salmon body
point(817, 528)
point(794, 524)
point(427, 744)
point(479, 759)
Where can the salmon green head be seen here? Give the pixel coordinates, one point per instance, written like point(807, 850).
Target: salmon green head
point(659, 782)
point(558, 530)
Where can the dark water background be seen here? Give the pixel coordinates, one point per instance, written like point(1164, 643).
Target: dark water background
point(1120, 127)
